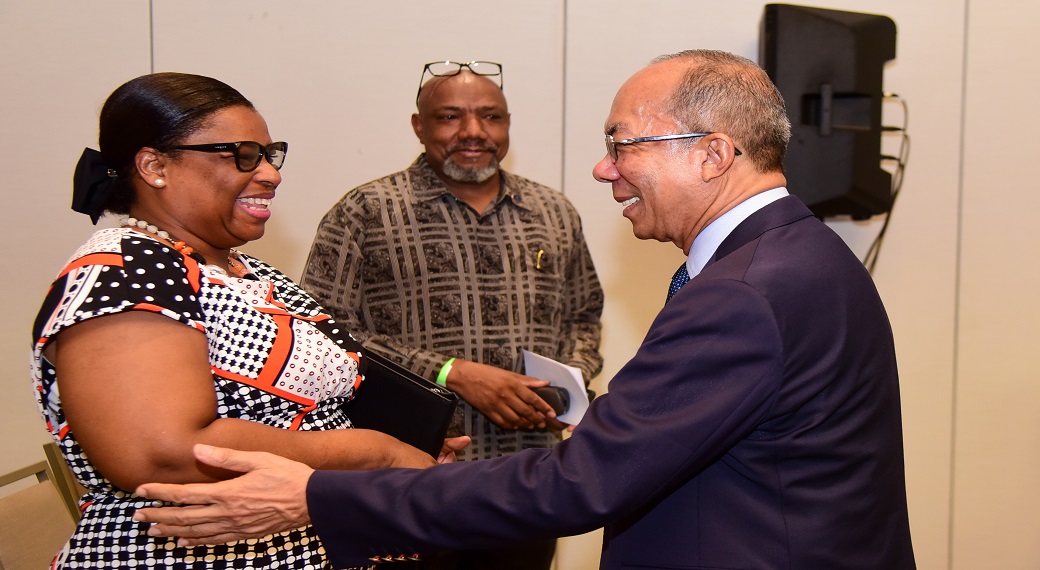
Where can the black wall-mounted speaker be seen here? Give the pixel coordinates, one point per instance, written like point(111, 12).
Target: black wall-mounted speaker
point(828, 65)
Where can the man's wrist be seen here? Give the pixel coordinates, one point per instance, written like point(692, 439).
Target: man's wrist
point(442, 376)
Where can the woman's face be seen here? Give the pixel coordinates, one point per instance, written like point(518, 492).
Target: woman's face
point(207, 201)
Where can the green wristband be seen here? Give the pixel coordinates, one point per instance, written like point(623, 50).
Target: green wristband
point(442, 376)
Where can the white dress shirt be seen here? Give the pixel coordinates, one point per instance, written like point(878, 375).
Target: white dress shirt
point(711, 237)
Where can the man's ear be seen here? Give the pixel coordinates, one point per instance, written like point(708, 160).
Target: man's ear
point(718, 157)
point(417, 127)
point(151, 166)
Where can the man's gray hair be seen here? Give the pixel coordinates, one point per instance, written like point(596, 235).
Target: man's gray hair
point(726, 93)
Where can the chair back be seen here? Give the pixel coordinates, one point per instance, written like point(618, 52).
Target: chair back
point(64, 480)
point(34, 521)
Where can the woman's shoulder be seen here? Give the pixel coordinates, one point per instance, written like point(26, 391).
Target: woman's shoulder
point(107, 240)
point(121, 246)
point(119, 270)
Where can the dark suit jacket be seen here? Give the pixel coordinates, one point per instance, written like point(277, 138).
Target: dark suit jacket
point(758, 427)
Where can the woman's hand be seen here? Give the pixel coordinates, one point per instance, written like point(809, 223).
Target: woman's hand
point(451, 445)
point(402, 455)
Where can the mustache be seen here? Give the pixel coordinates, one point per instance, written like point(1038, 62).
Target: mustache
point(471, 146)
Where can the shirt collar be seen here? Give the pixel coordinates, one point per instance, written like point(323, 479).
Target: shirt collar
point(427, 186)
point(706, 242)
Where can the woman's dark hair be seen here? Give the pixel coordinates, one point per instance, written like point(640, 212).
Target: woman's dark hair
point(159, 111)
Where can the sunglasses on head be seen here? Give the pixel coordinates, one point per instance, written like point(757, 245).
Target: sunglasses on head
point(449, 68)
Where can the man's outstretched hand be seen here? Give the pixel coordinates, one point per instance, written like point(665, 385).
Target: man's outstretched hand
point(270, 496)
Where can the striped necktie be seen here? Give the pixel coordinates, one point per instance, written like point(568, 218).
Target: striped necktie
point(678, 280)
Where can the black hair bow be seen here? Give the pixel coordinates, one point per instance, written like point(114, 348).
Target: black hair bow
point(91, 184)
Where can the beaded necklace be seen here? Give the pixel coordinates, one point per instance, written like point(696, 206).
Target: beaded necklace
point(236, 266)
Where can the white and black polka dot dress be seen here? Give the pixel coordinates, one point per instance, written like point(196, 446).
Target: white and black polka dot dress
point(276, 359)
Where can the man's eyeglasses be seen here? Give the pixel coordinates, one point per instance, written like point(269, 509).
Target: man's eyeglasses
point(449, 68)
point(613, 144)
point(247, 153)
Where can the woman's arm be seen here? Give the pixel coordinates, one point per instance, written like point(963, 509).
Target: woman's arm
point(138, 393)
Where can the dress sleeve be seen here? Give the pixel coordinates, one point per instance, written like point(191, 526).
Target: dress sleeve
point(138, 275)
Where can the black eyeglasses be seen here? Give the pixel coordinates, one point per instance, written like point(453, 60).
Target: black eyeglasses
point(613, 144)
point(449, 68)
point(247, 153)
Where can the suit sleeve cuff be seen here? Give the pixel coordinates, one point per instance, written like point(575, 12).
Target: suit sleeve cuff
point(327, 503)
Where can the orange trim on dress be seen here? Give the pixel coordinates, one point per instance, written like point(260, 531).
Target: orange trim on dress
point(110, 259)
point(295, 425)
point(256, 383)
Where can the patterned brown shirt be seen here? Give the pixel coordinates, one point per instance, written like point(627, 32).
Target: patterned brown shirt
point(422, 277)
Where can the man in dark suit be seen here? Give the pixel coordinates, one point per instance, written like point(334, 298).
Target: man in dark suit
point(758, 425)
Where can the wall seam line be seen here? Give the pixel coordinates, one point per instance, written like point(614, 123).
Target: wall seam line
point(151, 36)
point(563, 104)
point(958, 272)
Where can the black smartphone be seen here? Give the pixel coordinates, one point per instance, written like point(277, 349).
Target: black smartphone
point(556, 397)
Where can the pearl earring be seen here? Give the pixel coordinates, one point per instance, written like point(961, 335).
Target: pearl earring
point(160, 182)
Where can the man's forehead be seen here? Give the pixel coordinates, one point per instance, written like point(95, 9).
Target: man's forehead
point(463, 81)
point(640, 102)
point(464, 76)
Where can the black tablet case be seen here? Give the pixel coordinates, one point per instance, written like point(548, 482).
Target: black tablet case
point(398, 402)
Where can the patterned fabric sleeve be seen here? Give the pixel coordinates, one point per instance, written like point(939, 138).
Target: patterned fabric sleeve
point(96, 282)
point(583, 305)
point(333, 275)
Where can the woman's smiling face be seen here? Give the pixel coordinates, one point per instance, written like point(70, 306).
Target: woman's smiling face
point(207, 201)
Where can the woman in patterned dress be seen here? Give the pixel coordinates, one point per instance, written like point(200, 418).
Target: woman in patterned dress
point(158, 335)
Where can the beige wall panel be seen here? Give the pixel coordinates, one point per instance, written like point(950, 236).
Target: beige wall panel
point(916, 272)
point(58, 62)
point(997, 431)
point(609, 40)
point(337, 79)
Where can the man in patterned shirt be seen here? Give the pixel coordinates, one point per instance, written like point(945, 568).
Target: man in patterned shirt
point(453, 265)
